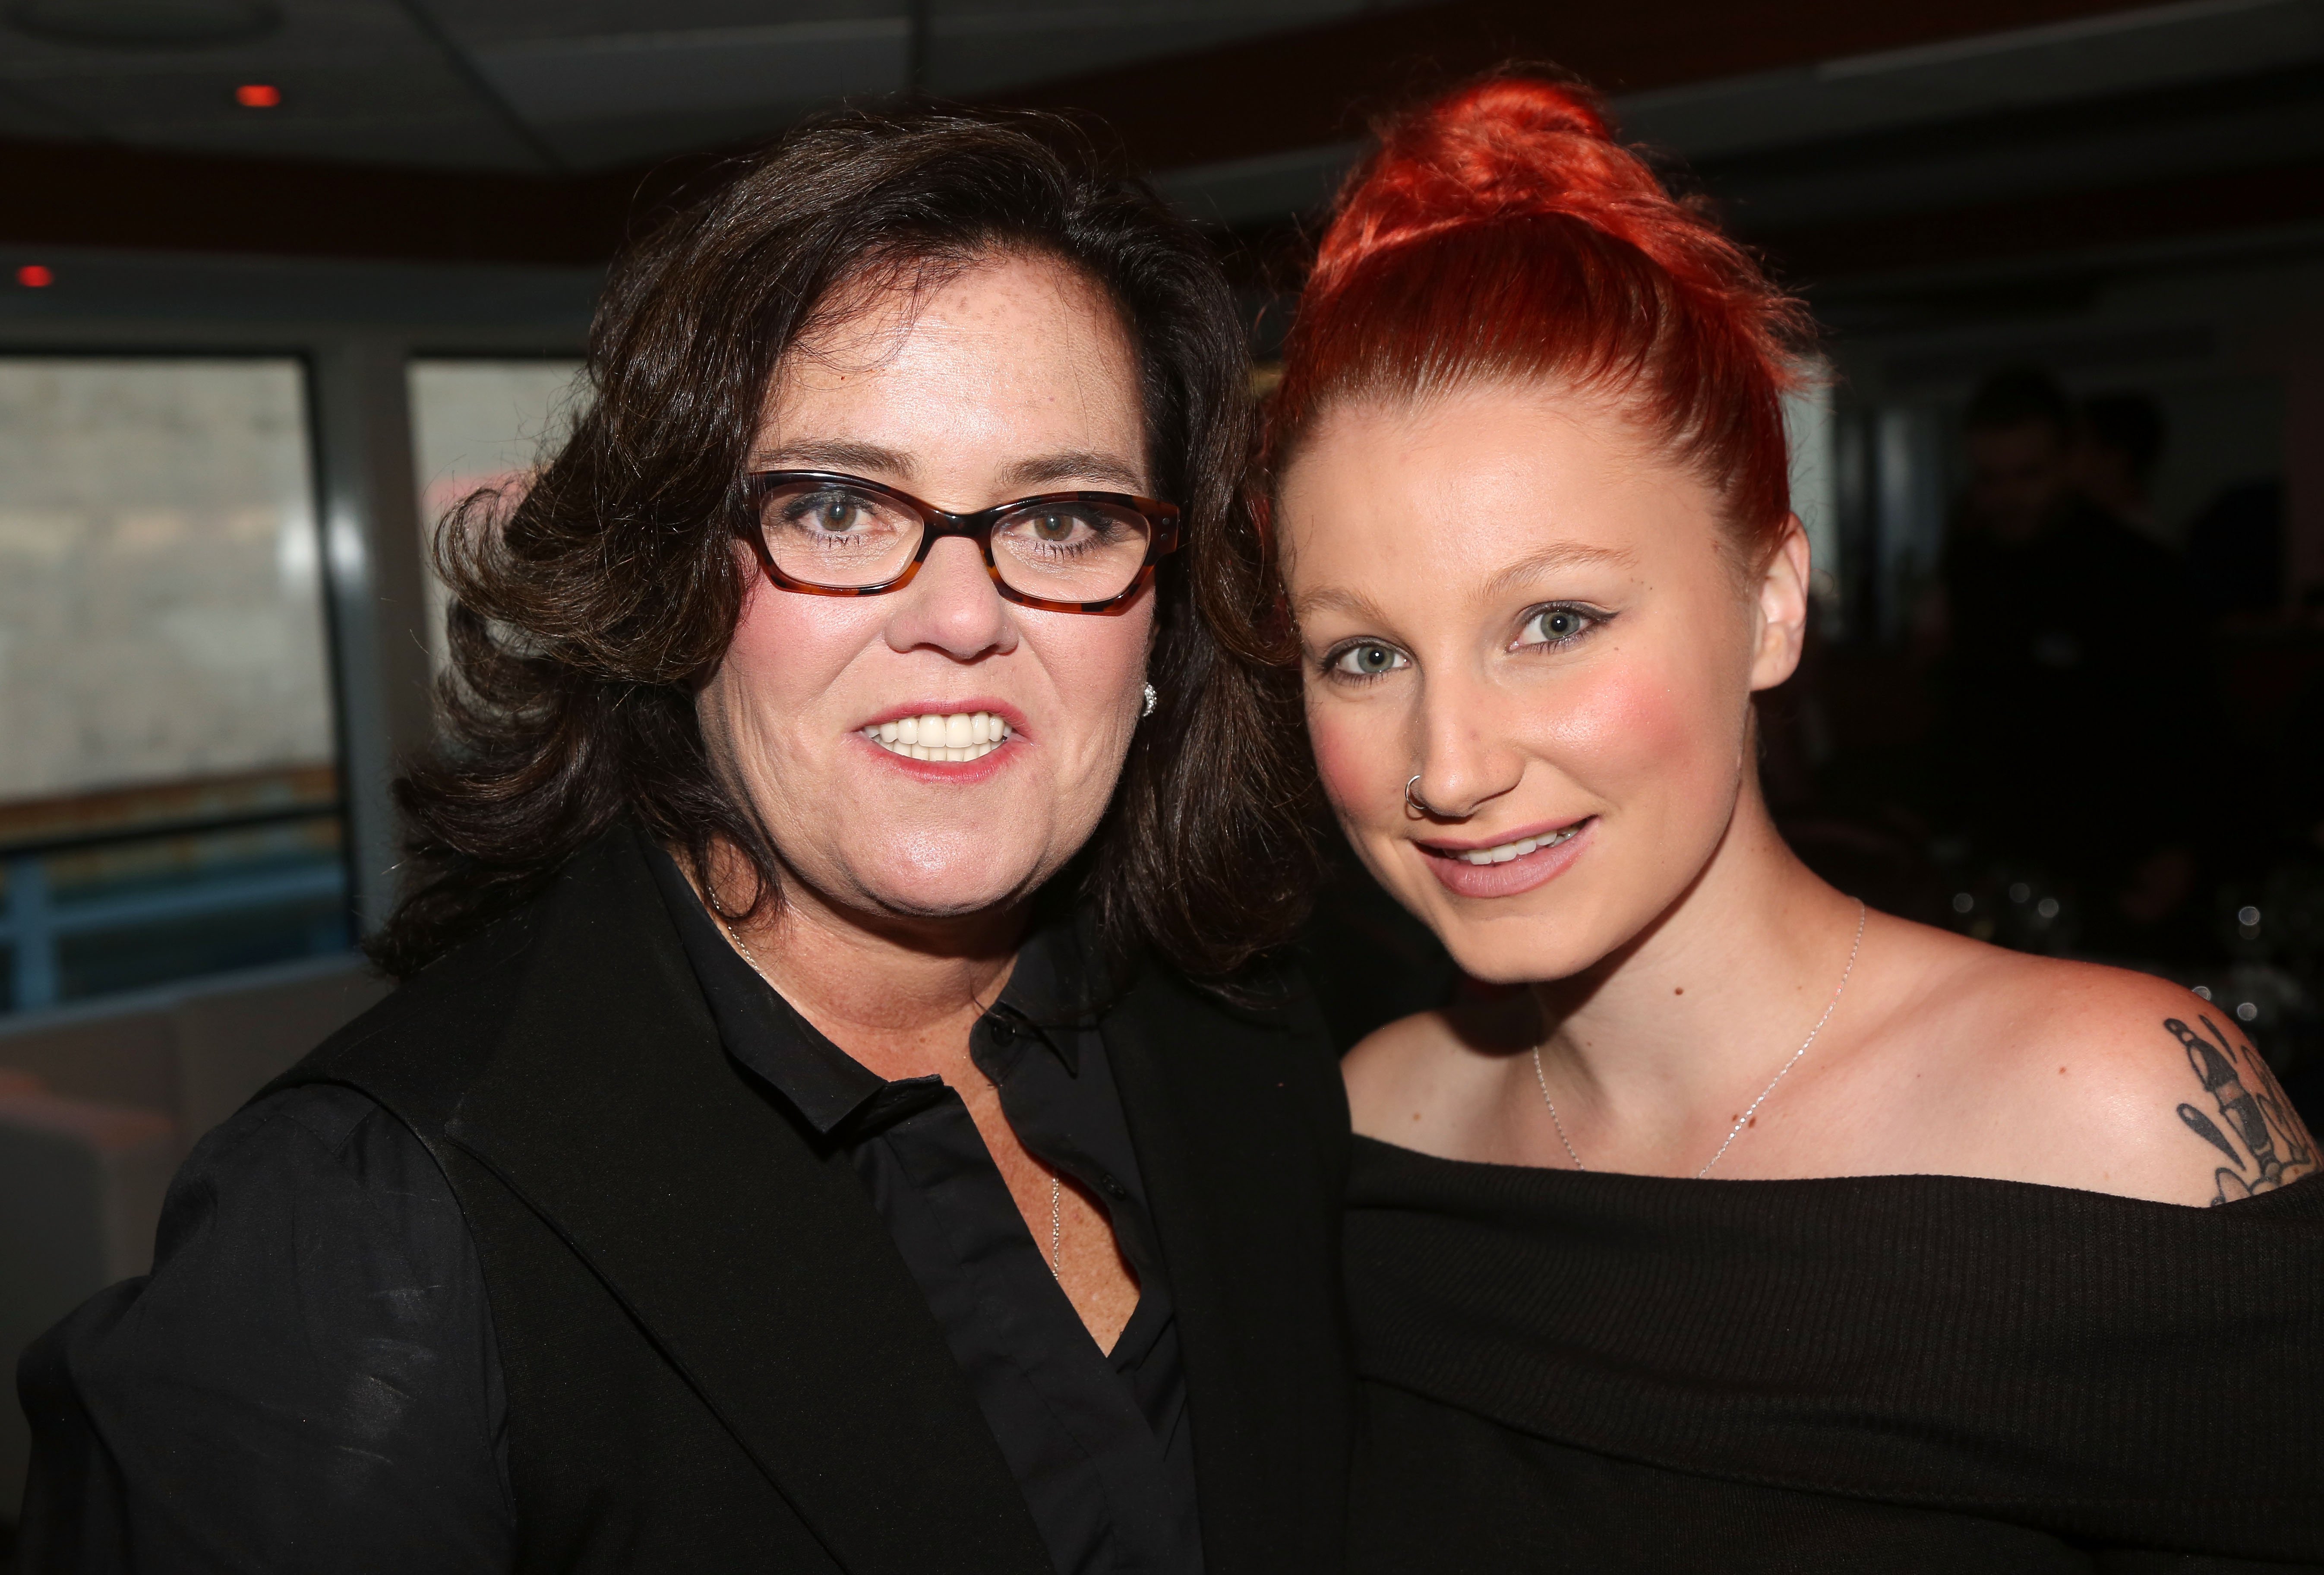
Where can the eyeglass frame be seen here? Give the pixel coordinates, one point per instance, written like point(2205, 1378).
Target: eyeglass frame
point(1162, 520)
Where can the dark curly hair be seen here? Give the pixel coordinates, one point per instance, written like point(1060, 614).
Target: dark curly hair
point(588, 609)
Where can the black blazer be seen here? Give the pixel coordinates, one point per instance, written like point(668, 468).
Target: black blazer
point(716, 1358)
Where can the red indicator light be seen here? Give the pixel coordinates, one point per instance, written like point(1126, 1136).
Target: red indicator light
point(258, 96)
point(32, 276)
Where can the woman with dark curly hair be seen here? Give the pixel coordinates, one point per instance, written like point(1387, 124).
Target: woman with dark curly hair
point(833, 1118)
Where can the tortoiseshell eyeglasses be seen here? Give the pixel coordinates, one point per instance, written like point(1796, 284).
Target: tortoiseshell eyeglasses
point(830, 534)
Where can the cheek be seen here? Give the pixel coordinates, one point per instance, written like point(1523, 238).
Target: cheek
point(1094, 656)
point(1658, 723)
point(782, 681)
point(1094, 666)
point(787, 647)
point(1351, 757)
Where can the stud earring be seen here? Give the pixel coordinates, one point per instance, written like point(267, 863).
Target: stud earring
point(1152, 699)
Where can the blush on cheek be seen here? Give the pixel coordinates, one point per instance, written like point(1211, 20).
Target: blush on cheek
point(1655, 740)
point(760, 631)
point(1350, 762)
point(1629, 716)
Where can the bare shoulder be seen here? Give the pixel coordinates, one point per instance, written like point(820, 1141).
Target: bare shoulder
point(1417, 1070)
point(2115, 1081)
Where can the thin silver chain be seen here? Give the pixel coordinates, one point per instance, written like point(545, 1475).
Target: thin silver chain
point(1743, 1120)
point(1056, 1186)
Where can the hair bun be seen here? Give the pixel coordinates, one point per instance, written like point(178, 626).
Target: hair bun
point(1500, 232)
point(1505, 147)
point(1513, 107)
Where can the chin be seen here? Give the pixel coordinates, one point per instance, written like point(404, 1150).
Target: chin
point(964, 898)
point(962, 881)
point(920, 904)
point(1534, 944)
point(1521, 960)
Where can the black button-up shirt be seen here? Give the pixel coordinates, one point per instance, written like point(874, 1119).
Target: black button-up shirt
point(1098, 1441)
point(309, 1377)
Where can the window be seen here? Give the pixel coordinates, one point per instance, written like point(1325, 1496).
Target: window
point(169, 802)
point(482, 423)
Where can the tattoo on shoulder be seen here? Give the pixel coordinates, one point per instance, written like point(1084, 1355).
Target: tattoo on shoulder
point(2257, 1128)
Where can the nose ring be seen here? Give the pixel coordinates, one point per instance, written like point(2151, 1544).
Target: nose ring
point(1417, 805)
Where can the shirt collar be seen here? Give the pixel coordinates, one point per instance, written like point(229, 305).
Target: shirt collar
point(1051, 989)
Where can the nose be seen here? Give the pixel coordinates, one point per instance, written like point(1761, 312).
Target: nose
point(951, 606)
point(1464, 758)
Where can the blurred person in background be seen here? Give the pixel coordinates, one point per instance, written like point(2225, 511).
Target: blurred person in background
point(2117, 447)
point(2234, 552)
point(832, 1118)
point(1738, 1228)
point(2071, 655)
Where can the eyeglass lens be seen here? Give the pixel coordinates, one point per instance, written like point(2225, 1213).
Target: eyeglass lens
point(828, 534)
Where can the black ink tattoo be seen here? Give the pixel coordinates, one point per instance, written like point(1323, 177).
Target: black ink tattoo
point(2200, 1126)
point(2254, 1110)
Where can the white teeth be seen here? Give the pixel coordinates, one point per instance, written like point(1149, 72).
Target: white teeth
point(1524, 844)
point(957, 736)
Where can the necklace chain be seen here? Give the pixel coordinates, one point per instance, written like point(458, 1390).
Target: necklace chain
point(1056, 1185)
point(1743, 1120)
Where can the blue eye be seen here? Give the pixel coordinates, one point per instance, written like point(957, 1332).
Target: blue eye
point(1369, 659)
point(1556, 626)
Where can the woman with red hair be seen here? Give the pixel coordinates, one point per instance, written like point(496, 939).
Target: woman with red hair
point(1950, 1301)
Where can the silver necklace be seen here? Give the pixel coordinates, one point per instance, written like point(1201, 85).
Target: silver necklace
point(1743, 1120)
point(1056, 1186)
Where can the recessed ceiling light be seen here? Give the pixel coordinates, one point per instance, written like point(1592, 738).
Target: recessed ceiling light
point(146, 24)
point(32, 276)
point(258, 96)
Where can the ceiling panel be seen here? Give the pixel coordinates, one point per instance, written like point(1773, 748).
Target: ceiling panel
point(358, 80)
point(611, 96)
point(538, 85)
point(981, 46)
point(566, 85)
point(22, 115)
point(2082, 59)
point(611, 144)
point(2236, 125)
point(1868, 133)
point(713, 74)
point(482, 24)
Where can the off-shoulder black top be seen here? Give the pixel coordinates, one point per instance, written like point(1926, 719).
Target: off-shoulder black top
point(1606, 1373)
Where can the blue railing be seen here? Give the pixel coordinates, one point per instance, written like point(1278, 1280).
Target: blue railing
point(37, 921)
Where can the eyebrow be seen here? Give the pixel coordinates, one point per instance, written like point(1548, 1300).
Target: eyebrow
point(1027, 475)
point(1558, 555)
point(1074, 465)
point(1331, 597)
point(835, 454)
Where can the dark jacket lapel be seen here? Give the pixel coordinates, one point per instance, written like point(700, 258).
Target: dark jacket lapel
point(756, 1266)
point(1241, 1127)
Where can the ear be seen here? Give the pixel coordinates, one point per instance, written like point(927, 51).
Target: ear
point(1781, 595)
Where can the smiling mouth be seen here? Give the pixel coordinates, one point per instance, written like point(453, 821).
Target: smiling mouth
point(1510, 852)
point(957, 736)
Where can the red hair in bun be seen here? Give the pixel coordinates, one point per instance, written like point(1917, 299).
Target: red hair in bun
point(1501, 232)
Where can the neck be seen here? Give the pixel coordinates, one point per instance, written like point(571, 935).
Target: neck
point(896, 994)
point(1672, 1037)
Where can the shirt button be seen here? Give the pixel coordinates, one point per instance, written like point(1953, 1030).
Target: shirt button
point(1113, 1188)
